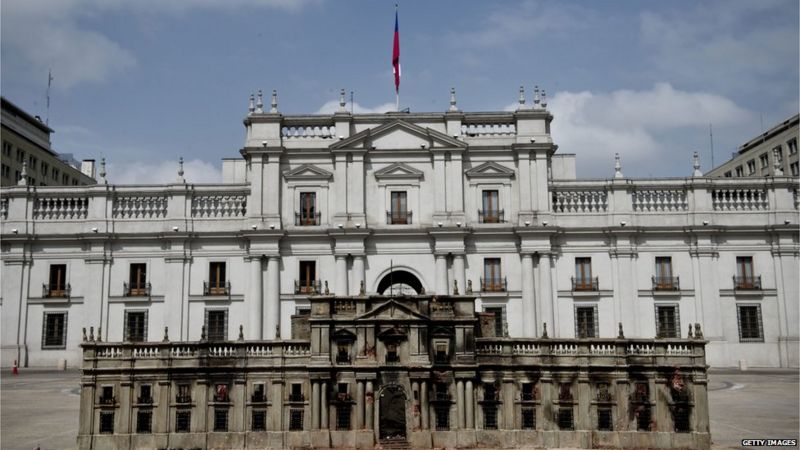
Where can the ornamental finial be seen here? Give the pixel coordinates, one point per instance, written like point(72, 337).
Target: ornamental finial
point(453, 106)
point(180, 170)
point(274, 104)
point(251, 105)
point(620, 334)
point(103, 171)
point(776, 158)
point(544, 99)
point(260, 103)
point(544, 330)
point(342, 102)
point(23, 176)
point(241, 332)
point(536, 99)
point(617, 167)
point(166, 334)
point(696, 165)
point(521, 97)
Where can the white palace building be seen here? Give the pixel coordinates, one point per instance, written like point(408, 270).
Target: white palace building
point(438, 203)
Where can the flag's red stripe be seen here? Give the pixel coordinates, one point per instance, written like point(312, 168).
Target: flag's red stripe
point(396, 55)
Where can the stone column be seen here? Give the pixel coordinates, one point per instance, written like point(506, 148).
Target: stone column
point(358, 274)
point(272, 183)
point(359, 405)
point(528, 297)
point(418, 407)
point(315, 405)
point(460, 404)
point(546, 297)
point(355, 202)
point(456, 176)
point(276, 410)
point(255, 302)
point(323, 420)
point(469, 401)
point(341, 275)
point(423, 396)
point(340, 185)
point(272, 312)
point(439, 183)
point(441, 274)
point(459, 273)
point(369, 402)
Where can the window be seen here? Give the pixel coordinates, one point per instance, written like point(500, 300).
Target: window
point(137, 285)
point(491, 212)
point(7, 149)
point(528, 418)
point(499, 319)
point(220, 419)
point(604, 421)
point(55, 174)
point(398, 212)
point(259, 420)
point(490, 416)
point(20, 156)
point(308, 213)
point(135, 326)
point(343, 416)
point(221, 393)
point(442, 411)
point(296, 394)
point(778, 152)
point(216, 279)
point(663, 280)
point(586, 325)
point(391, 353)
point(565, 418)
point(750, 326)
point(441, 355)
point(6, 171)
point(54, 334)
point(739, 171)
point(795, 169)
point(145, 394)
point(65, 179)
point(217, 324)
point(44, 168)
point(744, 278)
point(583, 280)
point(308, 274)
point(792, 144)
point(259, 393)
point(58, 281)
point(342, 353)
point(641, 406)
point(751, 167)
point(764, 159)
point(184, 394)
point(728, 174)
point(295, 419)
point(144, 421)
point(493, 280)
point(667, 321)
point(106, 395)
point(183, 421)
point(32, 160)
point(107, 422)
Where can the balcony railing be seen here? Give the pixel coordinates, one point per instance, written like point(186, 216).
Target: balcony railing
point(303, 219)
point(258, 397)
point(307, 287)
point(441, 396)
point(666, 283)
point(491, 216)
point(144, 400)
point(398, 217)
point(497, 284)
point(183, 399)
point(297, 398)
point(216, 289)
point(585, 284)
point(107, 400)
point(342, 359)
point(750, 283)
point(56, 290)
point(137, 290)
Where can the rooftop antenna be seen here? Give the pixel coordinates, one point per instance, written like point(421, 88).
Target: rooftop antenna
point(351, 102)
point(49, 83)
point(711, 138)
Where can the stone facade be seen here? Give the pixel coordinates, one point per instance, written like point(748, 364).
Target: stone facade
point(399, 371)
point(477, 203)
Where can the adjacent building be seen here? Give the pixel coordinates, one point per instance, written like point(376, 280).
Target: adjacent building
point(416, 203)
point(27, 152)
point(774, 152)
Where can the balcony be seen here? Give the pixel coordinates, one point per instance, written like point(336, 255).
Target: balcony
point(107, 400)
point(750, 283)
point(494, 284)
point(144, 400)
point(216, 288)
point(491, 216)
point(136, 290)
point(183, 398)
point(304, 219)
point(310, 287)
point(297, 397)
point(585, 284)
point(258, 397)
point(342, 358)
point(666, 283)
point(56, 291)
point(398, 217)
point(441, 396)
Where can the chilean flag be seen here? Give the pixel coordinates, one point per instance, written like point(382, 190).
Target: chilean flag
point(396, 55)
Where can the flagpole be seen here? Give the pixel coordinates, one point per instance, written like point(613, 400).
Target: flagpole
point(397, 101)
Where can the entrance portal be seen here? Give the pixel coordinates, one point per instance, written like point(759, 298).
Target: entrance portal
point(400, 282)
point(393, 413)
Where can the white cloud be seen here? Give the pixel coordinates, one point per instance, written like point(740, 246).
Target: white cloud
point(333, 106)
point(195, 171)
point(39, 35)
point(633, 124)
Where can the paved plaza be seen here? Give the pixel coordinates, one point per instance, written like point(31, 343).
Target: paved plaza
point(40, 408)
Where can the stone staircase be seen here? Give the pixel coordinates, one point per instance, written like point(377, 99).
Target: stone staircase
point(394, 444)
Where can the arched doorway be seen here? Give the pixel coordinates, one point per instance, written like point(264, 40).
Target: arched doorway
point(392, 421)
point(400, 282)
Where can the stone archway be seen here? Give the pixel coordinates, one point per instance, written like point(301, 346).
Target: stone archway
point(392, 414)
point(400, 282)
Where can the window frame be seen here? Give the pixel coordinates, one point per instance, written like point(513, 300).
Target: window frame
point(759, 322)
point(127, 331)
point(493, 275)
point(137, 279)
point(60, 287)
point(676, 328)
point(595, 329)
point(490, 206)
point(398, 207)
point(63, 344)
point(308, 208)
point(187, 415)
point(307, 276)
point(498, 321)
point(217, 279)
point(208, 312)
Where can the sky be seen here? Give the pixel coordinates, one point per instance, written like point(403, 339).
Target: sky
point(142, 83)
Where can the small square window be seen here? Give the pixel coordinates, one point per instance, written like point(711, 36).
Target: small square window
point(144, 421)
point(296, 394)
point(106, 422)
point(221, 392)
point(107, 395)
point(183, 421)
point(259, 420)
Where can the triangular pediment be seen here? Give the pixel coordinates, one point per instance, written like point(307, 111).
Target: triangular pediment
point(307, 172)
point(343, 334)
point(490, 169)
point(398, 135)
point(392, 311)
point(398, 171)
